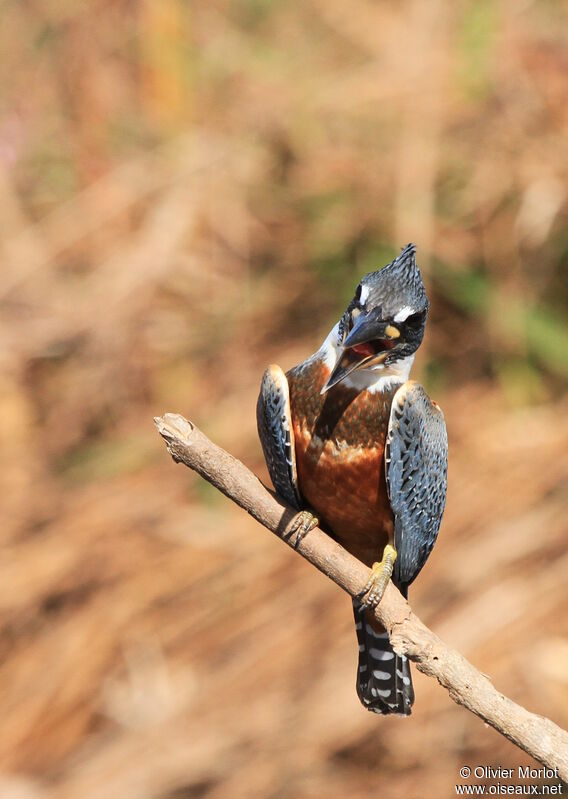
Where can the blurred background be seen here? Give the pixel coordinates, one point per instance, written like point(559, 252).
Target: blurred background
point(188, 192)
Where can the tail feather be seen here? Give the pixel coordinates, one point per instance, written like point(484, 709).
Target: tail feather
point(384, 684)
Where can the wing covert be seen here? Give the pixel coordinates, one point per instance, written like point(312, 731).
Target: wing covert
point(274, 421)
point(416, 458)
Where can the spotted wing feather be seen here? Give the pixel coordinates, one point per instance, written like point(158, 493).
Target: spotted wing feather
point(276, 434)
point(416, 457)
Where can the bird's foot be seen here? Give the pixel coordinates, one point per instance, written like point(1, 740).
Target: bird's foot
point(301, 525)
point(380, 576)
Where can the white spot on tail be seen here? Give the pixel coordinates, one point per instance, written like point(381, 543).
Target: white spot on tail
point(404, 679)
point(379, 654)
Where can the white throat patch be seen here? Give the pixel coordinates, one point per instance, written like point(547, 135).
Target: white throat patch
point(381, 377)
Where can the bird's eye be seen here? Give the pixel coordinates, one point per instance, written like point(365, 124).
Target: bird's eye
point(414, 320)
point(358, 293)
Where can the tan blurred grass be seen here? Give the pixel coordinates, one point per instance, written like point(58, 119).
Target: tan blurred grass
point(190, 192)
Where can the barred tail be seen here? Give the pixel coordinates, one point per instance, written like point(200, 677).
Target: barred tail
point(384, 684)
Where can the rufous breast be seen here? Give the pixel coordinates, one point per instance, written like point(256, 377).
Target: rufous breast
point(340, 441)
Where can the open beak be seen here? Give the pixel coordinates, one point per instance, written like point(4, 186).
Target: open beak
point(367, 344)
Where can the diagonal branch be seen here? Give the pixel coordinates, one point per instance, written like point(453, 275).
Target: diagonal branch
point(538, 736)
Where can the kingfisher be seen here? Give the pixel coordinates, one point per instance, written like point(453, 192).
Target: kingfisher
point(360, 449)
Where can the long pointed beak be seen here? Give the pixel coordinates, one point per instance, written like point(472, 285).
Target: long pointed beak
point(367, 326)
point(354, 355)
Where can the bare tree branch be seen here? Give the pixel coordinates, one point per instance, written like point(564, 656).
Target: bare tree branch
point(538, 736)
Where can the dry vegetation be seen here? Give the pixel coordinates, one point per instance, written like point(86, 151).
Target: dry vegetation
point(187, 192)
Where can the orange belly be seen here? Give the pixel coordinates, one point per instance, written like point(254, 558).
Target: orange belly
point(339, 444)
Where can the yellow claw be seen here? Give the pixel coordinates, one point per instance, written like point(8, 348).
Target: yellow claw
point(302, 524)
point(381, 573)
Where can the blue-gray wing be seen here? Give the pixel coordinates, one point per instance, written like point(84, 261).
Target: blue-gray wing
point(416, 458)
point(274, 421)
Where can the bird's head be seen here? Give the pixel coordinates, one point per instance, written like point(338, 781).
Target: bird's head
point(384, 323)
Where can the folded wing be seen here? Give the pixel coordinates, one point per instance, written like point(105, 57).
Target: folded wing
point(416, 457)
point(274, 421)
